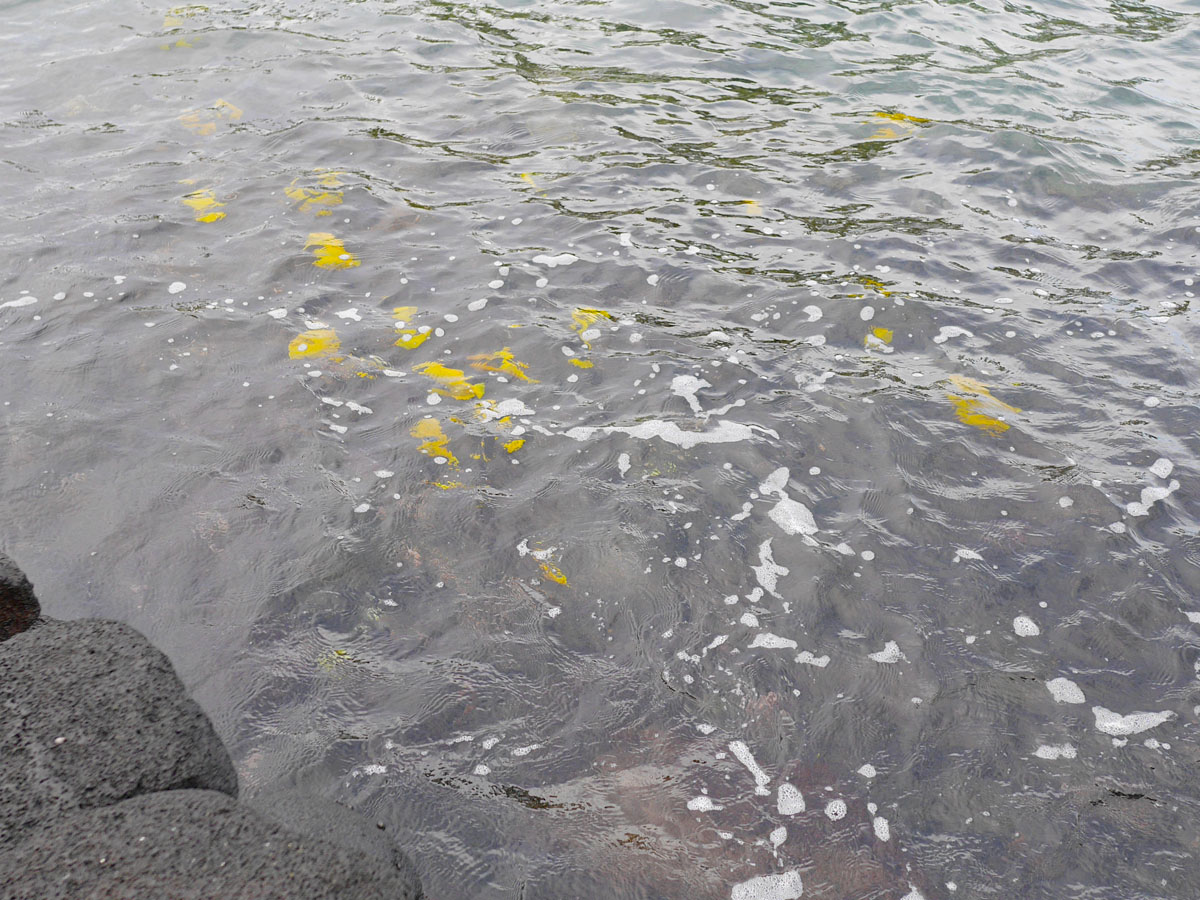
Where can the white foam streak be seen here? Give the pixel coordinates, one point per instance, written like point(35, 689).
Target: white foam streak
point(742, 752)
point(787, 886)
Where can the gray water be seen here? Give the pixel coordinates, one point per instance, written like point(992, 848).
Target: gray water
point(834, 392)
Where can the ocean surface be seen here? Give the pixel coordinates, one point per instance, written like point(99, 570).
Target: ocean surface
point(691, 449)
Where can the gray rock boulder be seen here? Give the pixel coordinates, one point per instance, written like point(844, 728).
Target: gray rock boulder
point(328, 820)
point(19, 608)
point(187, 845)
point(91, 714)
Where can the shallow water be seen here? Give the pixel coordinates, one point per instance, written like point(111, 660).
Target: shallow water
point(833, 393)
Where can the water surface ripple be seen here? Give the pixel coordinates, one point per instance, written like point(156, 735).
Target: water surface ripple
point(575, 432)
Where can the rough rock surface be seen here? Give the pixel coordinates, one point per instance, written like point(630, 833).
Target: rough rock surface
point(187, 845)
point(324, 819)
point(91, 714)
point(19, 608)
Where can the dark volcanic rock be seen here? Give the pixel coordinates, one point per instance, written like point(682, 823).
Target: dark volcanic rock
point(186, 845)
point(326, 820)
point(90, 714)
point(18, 607)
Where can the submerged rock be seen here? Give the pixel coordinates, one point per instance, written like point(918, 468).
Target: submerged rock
point(19, 608)
point(91, 714)
point(188, 845)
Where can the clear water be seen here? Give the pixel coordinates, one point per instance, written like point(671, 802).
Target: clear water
point(875, 322)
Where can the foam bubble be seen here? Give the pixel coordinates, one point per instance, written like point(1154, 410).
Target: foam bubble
point(889, 654)
point(768, 572)
point(950, 331)
point(1064, 690)
point(1162, 467)
point(793, 517)
point(725, 433)
point(807, 658)
point(1055, 751)
point(836, 809)
point(772, 642)
point(1136, 722)
point(550, 262)
point(1025, 627)
point(742, 752)
point(789, 800)
point(1150, 496)
point(787, 886)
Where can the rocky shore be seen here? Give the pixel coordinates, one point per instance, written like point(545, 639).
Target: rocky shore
point(114, 785)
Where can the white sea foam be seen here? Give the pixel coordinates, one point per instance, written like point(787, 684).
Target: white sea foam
point(772, 642)
point(793, 517)
point(1136, 722)
point(807, 658)
point(1150, 496)
point(787, 886)
point(723, 433)
point(1055, 751)
point(623, 464)
point(513, 407)
point(768, 572)
point(775, 483)
point(789, 800)
point(1064, 690)
point(687, 387)
point(550, 262)
point(889, 654)
point(742, 752)
point(951, 331)
point(1026, 627)
point(1162, 467)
